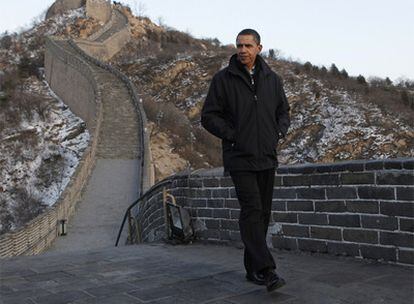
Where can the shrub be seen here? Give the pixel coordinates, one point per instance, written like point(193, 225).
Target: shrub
point(361, 80)
point(334, 70)
point(21, 101)
point(36, 43)
point(315, 69)
point(6, 217)
point(307, 66)
point(27, 207)
point(388, 81)
point(6, 41)
point(51, 170)
point(29, 66)
point(10, 81)
point(296, 70)
point(376, 82)
point(39, 105)
point(316, 90)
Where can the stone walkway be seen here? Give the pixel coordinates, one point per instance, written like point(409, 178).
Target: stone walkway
point(111, 189)
point(196, 273)
point(119, 22)
point(115, 180)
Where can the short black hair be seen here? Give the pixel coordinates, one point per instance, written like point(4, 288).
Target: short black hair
point(252, 32)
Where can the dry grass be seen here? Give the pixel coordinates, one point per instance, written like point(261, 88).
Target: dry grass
point(6, 217)
point(21, 106)
point(27, 207)
point(188, 141)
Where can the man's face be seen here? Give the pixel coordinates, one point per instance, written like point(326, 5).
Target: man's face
point(247, 50)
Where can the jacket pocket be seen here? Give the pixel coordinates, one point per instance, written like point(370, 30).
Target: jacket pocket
point(244, 144)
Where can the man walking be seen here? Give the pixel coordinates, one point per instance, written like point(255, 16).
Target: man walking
point(247, 108)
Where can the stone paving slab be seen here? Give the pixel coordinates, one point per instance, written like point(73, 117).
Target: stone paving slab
point(197, 273)
point(112, 187)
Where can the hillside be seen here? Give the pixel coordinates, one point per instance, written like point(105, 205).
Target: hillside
point(41, 140)
point(333, 117)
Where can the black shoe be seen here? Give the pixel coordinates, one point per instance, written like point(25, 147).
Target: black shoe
point(273, 281)
point(256, 278)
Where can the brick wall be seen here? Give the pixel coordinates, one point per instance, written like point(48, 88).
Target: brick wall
point(99, 9)
point(107, 49)
point(72, 79)
point(110, 40)
point(107, 26)
point(357, 208)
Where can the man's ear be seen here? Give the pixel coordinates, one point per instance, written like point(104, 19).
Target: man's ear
point(260, 47)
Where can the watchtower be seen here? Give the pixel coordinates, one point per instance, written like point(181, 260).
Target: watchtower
point(99, 9)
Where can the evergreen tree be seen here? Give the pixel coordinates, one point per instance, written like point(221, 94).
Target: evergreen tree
point(388, 81)
point(361, 80)
point(344, 74)
point(307, 66)
point(334, 70)
point(272, 54)
point(404, 97)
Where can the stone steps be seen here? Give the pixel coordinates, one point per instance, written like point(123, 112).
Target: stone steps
point(119, 23)
point(119, 131)
point(114, 181)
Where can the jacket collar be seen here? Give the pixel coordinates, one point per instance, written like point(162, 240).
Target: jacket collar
point(237, 68)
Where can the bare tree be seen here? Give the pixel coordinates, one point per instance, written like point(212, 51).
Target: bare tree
point(140, 8)
point(161, 21)
point(275, 54)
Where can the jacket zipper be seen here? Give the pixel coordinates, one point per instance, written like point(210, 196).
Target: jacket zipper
point(251, 87)
point(257, 110)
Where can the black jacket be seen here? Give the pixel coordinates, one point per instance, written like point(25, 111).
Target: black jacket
point(249, 118)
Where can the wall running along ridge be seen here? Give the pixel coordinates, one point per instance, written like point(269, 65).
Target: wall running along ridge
point(357, 208)
point(69, 72)
point(99, 9)
point(73, 80)
point(108, 41)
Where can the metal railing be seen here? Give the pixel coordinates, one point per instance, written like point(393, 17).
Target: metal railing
point(134, 228)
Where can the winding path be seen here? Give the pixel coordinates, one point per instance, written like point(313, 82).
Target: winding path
point(114, 182)
point(119, 23)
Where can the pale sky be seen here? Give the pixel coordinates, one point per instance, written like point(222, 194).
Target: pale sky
point(368, 37)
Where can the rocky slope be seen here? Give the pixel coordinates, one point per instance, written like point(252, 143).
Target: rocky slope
point(41, 140)
point(331, 120)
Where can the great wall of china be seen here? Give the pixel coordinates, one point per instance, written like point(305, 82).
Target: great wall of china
point(358, 208)
point(108, 103)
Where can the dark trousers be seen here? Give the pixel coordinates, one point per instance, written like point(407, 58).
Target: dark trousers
point(254, 191)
